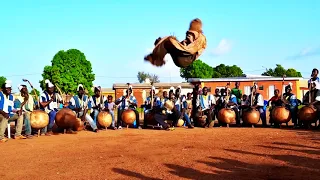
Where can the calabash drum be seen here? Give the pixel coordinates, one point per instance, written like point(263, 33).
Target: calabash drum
point(66, 119)
point(251, 116)
point(169, 105)
point(39, 119)
point(104, 119)
point(128, 116)
point(280, 115)
point(149, 117)
point(202, 119)
point(307, 114)
point(180, 123)
point(227, 115)
point(79, 126)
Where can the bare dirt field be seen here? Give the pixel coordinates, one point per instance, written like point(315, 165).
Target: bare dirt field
point(218, 153)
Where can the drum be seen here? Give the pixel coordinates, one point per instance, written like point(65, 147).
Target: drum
point(149, 117)
point(104, 119)
point(251, 116)
point(307, 114)
point(128, 116)
point(39, 119)
point(227, 115)
point(180, 123)
point(66, 119)
point(169, 105)
point(79, 126)
point(280, 115)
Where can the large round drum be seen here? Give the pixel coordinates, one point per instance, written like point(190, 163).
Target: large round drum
point(79, 126)
point(280, 115)
point(66, 119)
point(307, 114)
point(39, 119)
point(180, 123)
point(104, 119)
point(251, 116)
point(128, 116)
point(227, 115)
point(169, 105)
point(149, 117)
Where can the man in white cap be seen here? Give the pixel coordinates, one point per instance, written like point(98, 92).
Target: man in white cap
point(26, 104)
point(152, 102)
point(257, 103)
point(8, 113)
point(97, 103)
point(314, 100)
point(49, 103)
point(291, 102)
point(80, 105)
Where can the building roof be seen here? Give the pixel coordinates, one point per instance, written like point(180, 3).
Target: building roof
point(248, 78)
point(107, 90)
point(156, 85)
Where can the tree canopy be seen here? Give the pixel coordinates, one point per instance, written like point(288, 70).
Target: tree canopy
point(223, 71)
point(142, 76)
point(279, 71)
point(197, 69)
point(2, 81)
point(69, 69)
point(32, 92)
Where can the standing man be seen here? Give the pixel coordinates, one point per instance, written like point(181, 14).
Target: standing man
point(8, 113)
point(49, 103)
point(26, 106)
point(237, 92)
point(206, 104)
point(127, 102)
point(97, 103)
point(80, 105)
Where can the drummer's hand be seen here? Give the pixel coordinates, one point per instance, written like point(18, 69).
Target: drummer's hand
point(83, 118)
point(19, 112)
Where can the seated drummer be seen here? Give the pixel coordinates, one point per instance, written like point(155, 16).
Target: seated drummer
point(80, 105)
point(166, 114)
point(275, 101)
point(96, 104)
point(315, 97)
point(181, 106)
point(206, 104)
point(127, 102)
point(257, 103)
point(49, 103)
point(218, 103)
point(291, 102)
point(233, 104)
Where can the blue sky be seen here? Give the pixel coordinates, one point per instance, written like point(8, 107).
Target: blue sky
point(116, 34)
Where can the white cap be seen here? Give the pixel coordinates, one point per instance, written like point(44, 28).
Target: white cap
point(98, 87)
point(20, 87)
point(49, 84)
point(171, 88)
point(80, 85)
point(179, 87)
point(8, 84)
point(153, 88)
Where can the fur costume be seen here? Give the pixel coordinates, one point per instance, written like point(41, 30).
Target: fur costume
point(182, 53)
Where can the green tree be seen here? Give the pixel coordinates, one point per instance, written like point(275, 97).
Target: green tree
point(223, 71)
point(279, 71)
point(142, 76)
point(69, 69)
point(2, 81)
point(32, 92)
point(198, 69)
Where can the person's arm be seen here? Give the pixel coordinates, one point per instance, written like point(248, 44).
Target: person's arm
point(134, 101)
point(4, 114)
point(72, 104)
point(118, 101)
point(43, 101)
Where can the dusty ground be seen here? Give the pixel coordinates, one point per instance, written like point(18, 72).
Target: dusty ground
point(219, 153)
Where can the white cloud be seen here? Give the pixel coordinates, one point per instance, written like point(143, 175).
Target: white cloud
point(305, 53)
point(223, 47)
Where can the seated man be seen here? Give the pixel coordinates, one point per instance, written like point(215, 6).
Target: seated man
point(181, 107)
point(291, 103)
point(26, 105)
point(127, 102)
point(80, 105)
point(8, 113)
point(49, 103)
point(97, 102)
point(206, 105)
point(257, 103)
point(275, 101)
point(233, 104)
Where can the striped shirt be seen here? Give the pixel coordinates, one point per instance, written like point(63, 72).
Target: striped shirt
point(45, 97)
point(6, 103)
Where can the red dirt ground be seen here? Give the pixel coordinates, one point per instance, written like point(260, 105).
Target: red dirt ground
point(218, 153)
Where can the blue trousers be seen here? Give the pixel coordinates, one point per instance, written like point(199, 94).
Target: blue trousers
point(52, 116)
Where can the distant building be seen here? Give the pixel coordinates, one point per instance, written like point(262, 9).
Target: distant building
point(266, 84)
point(142, 90)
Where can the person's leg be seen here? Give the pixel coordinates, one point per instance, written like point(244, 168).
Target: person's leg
point(95, 113)
point(160, 118)
point(209, 118)
point(137, 118)
point(236, 111)
point(19, 126)
point(27, 124)
point(52, 116)
point(91, 122)
point(188, 121)
point(113, 120)
point(119, 122)
point(3, 127)
point(263, 117)
point(294, 116)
